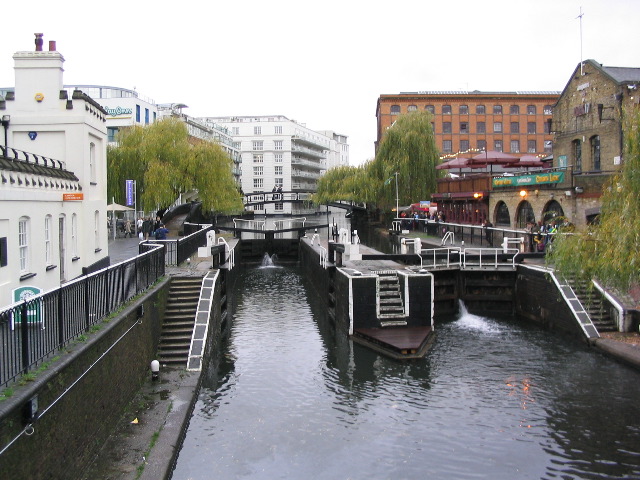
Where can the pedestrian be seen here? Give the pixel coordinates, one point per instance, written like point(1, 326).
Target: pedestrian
point(139, 224)
point(157, 223)
point(127, 228)
point(161, 232)
point(146, 227)
point(273, 191)
point(280, 192)
point(488, 231)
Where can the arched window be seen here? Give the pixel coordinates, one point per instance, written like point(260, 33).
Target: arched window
point(502, 215)
point(595, 152)
point(23, 244)
point(395, 109)
point(551, 211)
point(412, 108)
point(430, 108)
point(525, 215)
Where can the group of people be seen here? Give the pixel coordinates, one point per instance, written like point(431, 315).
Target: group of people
point(277, 193)
point(541, 235)
point(416, 220)
point(146, 227)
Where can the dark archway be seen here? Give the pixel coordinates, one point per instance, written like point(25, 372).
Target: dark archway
point(525, 214)
point(552, 210)
point(503, 218)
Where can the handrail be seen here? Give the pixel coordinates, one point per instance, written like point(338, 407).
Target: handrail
point(231, 259)
point(448, 236)
point(259, 223)
point(435, 252)
point(491, 253)
point(323, 256)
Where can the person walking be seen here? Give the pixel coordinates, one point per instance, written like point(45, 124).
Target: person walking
point(146, 228)
point(127, 228)
point(488, 231)
point(161, 232)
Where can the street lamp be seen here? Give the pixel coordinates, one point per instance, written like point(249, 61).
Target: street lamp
point(5, 124)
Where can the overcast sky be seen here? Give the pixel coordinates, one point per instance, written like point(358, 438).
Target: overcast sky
point(325, 63)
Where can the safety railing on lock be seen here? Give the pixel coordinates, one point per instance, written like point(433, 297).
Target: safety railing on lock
point(433, 258)
point(489, 257)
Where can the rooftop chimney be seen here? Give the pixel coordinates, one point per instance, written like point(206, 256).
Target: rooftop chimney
point(38, 41)
point(52, 45)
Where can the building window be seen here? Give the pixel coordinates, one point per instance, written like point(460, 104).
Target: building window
point(258, 184)
point(146, 116)
point(497, 127)
point(258, 158)
point(23, 244)
point(48, 251)
point(525, 214)
point(431, 109)
point(277, 170)
point(279, 206)
point(433, 127)
point(514, 110)
point(464, 109)
point(464, 127)
point(480, 109)
point(497, 145)
point(111, 134)
point(155, 115)
point(138, 113)
point(412, 108)
point(277, 145)
point(395, 109)
point(92, 162)
point(595, 152)
point(531, 109)
point(279, 182)
point(257, 130)
point(531, 146)
point(258, 171)
point(482, 144)
point(446, 146)
point(531, 128)
point(548, 110)
point(497, 109)
point(577, 155)
point(446, 109)
point(4, 260)
point(74, 235)
point(515, 146)
point(547, 125)
point(446, 127)
point(278, 158)
point(464, 145)
point(258, 144)
point(278, 130)
point(515, 127)
point(235, 131)
point(481, 127)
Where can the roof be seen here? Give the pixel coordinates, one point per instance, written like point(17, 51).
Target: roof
point(32, 164)
point(478, 92)
point(623, 74)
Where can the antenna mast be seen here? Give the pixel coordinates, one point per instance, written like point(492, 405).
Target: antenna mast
point(580, 17)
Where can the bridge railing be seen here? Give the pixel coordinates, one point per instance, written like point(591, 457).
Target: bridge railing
point(177, 250)
point(38, 327)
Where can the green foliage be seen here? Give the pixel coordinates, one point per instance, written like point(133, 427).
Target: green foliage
point(409, 148)
point(164, 163)
point(610, 250)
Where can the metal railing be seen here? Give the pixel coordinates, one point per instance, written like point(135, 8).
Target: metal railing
point(177, 250)
point(441, 257)
point(488, 257)
point(38, 327)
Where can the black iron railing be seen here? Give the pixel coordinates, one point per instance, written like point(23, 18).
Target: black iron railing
point(36, 328)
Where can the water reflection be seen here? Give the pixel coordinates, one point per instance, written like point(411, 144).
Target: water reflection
point(493, 399)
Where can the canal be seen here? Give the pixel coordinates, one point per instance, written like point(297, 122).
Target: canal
point(494, 398)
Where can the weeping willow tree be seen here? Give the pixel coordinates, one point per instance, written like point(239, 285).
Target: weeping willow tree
point(408, 148)
point(345, 183)
point(165, 163)
point(610, 250)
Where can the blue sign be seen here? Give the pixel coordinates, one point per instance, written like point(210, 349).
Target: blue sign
point(129, 192)
point(33, 135)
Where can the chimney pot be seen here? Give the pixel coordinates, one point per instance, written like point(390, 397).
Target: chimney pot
point(38, 41)
point(52, 45)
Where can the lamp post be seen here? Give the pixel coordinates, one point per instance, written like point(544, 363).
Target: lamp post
point(397, 198)
point(5, 124)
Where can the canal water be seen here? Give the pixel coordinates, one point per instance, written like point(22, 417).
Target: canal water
point(493, 399)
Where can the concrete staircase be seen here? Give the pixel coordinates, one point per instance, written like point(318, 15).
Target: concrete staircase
point(391, 313)
point(179, 319)
point(594, 305)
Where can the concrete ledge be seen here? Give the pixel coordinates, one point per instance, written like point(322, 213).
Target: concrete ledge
point(629, 354)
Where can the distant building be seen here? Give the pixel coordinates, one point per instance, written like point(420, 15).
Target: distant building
point(53, 183)
point(281, 153)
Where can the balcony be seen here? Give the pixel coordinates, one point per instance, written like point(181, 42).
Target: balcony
point(307, 152)
point(295, 160)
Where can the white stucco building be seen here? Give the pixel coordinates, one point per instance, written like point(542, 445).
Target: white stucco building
point(279, 152)
point(53, 183)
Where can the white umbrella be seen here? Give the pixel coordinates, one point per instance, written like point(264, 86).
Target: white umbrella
point(116, 207)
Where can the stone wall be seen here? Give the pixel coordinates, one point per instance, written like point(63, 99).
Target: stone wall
point(77, 418)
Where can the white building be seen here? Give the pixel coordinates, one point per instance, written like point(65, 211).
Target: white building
point(278, 152)
point(53, 215)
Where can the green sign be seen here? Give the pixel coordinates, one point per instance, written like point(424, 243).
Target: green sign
point(34, 309)
point(525, 180)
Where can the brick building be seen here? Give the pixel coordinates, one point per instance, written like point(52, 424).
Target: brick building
point(517, 123)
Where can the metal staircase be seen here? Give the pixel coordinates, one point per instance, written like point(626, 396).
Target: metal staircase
point(593, 303)
point(179, 319)
point(390, 303)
